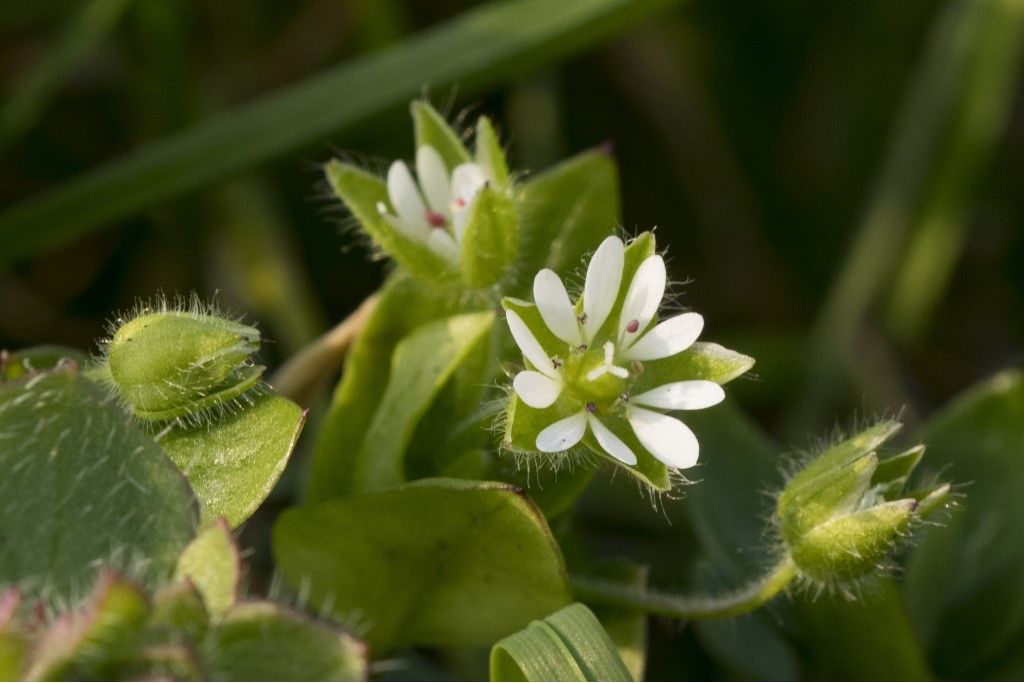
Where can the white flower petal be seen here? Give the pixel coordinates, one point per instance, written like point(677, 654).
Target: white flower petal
point(440, 241)
point(459, 220)
point(434, 179)
point(668, 439)
point(404, 194)
point(536, 390)
point(416, 231)
point(467, 179)
point(611, 443)
point(602, 285)
point(643, 297)
point(668, 338)
point(555, 307)
point(690, 395)
point(529, 345)
point(564, 434)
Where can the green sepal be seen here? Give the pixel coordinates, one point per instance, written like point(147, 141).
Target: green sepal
point(702, 360)
point(179, 610)
point(489, 154)
point(833, 493)
point(432, 129)
point(362, 192)
point(892, 473)
point(491, 239)
point(853, 545)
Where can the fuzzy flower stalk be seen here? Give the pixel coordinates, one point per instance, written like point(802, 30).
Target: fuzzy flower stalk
point(606, 372)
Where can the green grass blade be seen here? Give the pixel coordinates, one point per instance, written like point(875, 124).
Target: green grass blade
point(478, 48)
point(33, 92)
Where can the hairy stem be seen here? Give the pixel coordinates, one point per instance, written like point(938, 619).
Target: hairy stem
point(746, 599)
point(299, 378)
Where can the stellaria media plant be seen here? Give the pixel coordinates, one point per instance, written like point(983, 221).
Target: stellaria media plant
point(418, 523)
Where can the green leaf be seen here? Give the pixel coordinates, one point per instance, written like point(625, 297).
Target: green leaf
point(234, 461)
point(212, 563)
point(14, 365)
point(261, 641)
point(965, 579)
point(488, 152)
point(565, 213)
point(477, 49)
point(82, 486)
point(491, 240)
point(92, 643)
point(403, 306)
point(432, 129)
point(569, 645)
point(435, 562)
point(421, 366)
point(362, 192)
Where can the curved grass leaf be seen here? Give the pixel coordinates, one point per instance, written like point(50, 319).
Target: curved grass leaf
point(435, 562)
point(481, 47)
point(82, 486)
point(234, 461)
point(569, 645)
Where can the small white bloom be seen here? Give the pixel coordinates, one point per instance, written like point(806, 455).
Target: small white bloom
point(582, 374)
point(436, 210)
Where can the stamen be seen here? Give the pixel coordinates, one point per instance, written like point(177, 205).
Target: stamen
point(582, 318)
point(581, 348)
point(591, 407)
point(459, 203)
point(436, 219)
point(632, 326)
point(637, 367)
point(555, 362)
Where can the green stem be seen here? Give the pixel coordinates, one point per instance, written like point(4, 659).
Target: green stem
point(746, 599)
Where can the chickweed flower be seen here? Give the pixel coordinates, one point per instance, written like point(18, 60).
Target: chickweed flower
point(605, 371)
point(435, 209)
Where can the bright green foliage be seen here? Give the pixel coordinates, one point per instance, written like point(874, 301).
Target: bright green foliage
point(842, 512)
point(262, 641)
point(432, 129)
point(965, 580)
point(435, 562)
point(565, 213)
point(212, 563)
point(569, 645)
point(234, 460)
point(82, 485)
point(176, 364)
point(491, 241)
point(421, 366)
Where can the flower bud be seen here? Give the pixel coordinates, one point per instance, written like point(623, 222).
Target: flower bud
point(843, 511)
point(177, 364)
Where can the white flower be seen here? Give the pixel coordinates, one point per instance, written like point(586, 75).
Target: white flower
point(436, 210)
point(606, 374)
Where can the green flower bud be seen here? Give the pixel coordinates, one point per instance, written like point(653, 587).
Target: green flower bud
point(179, 364)
point(843, 511)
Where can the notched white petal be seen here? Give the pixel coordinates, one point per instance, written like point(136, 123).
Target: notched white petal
point(535, 389)
point(467, 179)
point(689, 395)
point(668, 338)
point(612, 444)
point(667, 439)
point(441, 242)
point(643, 298)
point(434, 179)
point(555, 307)
point(604, 275)
point(529, 345)
point(404, 194)
point(562, 435)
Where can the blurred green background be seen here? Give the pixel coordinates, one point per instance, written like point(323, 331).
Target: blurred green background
point(839, 184)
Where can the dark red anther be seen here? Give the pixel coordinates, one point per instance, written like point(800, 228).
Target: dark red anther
point(436, 219)
point(632, 326)
point(591, 407)
point(459, 202)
